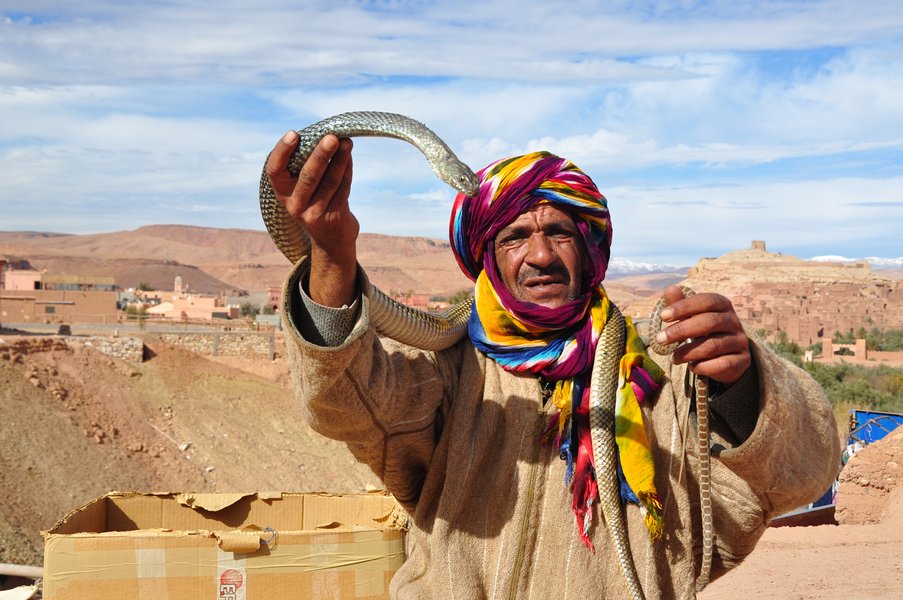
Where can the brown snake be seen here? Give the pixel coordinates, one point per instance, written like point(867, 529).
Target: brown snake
point(702, 428)
point(429, 331)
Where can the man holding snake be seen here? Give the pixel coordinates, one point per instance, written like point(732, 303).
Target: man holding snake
point(486, 444)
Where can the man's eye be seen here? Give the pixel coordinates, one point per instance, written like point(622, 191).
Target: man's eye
point(511, 240)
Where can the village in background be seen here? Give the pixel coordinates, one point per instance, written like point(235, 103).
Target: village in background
point(827, 308)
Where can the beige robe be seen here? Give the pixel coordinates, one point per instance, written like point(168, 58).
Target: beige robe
point(455, 438)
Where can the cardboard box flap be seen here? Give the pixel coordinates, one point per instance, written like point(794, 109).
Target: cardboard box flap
point(133, 511)
point(90, 518)
point(326, 511)
point(269, 495)
point(240, 542)
point(211, 502)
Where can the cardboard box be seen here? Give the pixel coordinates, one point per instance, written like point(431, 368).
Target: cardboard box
point(225, 547)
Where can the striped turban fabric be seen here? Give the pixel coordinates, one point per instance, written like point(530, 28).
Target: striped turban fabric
point(558, 344)
point(509, 187)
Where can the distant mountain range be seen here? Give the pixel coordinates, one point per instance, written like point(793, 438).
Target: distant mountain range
point(874, 261)
point(214, 260)
point(620, 267)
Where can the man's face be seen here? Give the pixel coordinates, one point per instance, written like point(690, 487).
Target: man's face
point(540, 257)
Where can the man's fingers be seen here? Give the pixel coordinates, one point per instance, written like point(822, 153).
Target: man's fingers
point(710, 346)
point(727, 368)
point(672, 294)
point(316, 165)
point(723, 357)
point(335, 172)
point(718, 348)
point(344, 190)
point(683, 308)
point(701, 325)
point(277, 163)
point(333, 185)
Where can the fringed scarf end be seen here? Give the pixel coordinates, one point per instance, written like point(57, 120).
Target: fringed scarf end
point(586, 492)
point(651, 508)
point(584, 514)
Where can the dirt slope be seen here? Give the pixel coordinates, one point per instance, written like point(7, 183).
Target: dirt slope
point(75, 424)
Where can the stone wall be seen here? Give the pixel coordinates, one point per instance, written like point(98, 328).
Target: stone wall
point(12, 347)
point(227, 343)
point(126, 348)
point(224, 343)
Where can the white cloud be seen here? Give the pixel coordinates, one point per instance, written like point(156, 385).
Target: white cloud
point(290, 42)
point(734, 114)
point(661, 223)
point(433, 195)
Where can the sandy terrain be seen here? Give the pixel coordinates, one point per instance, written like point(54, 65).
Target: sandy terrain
point(860, 558)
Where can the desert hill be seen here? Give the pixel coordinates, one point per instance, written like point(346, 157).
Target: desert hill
point(803, 299)
point(737, 269)
point(213, 260)
point(180, 243)
point(764, 285)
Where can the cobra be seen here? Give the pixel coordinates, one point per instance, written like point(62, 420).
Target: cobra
point(438, 331)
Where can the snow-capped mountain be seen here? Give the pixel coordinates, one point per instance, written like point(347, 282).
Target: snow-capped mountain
point(622, 266)
point(875, 261)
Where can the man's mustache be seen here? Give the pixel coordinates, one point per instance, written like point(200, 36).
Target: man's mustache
point(557, 271)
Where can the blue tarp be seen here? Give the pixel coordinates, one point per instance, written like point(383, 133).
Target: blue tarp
point(868, 426)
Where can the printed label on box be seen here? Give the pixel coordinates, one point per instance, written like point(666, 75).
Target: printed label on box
point(231, 581)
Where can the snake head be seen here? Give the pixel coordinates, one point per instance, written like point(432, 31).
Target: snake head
point(467, 183)
point(458, 175)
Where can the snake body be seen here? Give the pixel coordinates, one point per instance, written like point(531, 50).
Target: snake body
point(603, 388)
point(702, 427)
point(431, 331)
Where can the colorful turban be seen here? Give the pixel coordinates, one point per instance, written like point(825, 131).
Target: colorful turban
point(509, 187)
point(558, 344)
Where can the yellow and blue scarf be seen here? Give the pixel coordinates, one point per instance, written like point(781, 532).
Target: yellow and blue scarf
point(558, 344)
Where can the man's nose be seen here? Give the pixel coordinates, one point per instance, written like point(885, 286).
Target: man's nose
point(540, 251)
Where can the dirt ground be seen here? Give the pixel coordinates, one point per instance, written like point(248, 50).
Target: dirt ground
point(862, 557)
point(75, 424)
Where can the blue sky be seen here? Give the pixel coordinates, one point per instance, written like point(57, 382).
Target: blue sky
point(706, 124)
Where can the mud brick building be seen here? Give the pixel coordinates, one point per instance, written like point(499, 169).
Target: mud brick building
point(804, 300)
